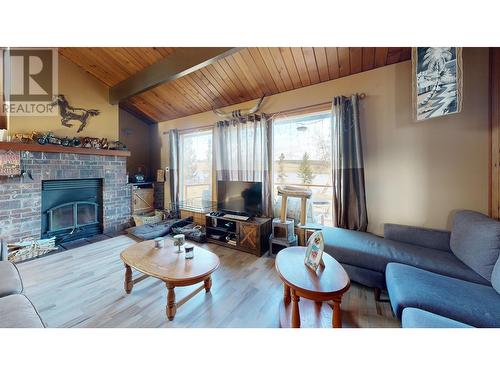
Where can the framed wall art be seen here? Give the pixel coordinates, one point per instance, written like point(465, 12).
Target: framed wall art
point(437, 81)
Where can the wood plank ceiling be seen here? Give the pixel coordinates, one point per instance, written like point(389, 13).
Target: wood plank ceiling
point(245, 75)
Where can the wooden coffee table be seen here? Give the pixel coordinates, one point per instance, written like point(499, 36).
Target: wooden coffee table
point(327, 284)
point(171, 267)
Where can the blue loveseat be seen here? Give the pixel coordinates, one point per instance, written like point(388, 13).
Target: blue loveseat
point(446, 279)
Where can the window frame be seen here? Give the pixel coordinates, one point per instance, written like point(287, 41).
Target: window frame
point(324, 108)
point(193, 132)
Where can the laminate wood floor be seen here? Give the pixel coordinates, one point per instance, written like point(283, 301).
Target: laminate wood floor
point(83, 287)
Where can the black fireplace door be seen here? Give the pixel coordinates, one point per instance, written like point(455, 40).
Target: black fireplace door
point(71, 209)
point(73, 216)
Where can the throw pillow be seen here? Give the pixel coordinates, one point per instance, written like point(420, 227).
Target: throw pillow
point(475, 240)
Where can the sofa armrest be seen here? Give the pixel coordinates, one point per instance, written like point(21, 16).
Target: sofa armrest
point(432, 238)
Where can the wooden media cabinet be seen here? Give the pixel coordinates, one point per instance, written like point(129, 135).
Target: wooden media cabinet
point(251, 236)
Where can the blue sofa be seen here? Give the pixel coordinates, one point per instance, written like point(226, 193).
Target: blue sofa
point(475, 304)
point(454, 274)
point(416, 318)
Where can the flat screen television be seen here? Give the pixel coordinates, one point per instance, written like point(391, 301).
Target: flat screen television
point(239, 197)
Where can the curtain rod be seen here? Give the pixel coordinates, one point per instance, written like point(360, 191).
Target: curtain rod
point(312, 106)
point(361, 96)
point(198, 128)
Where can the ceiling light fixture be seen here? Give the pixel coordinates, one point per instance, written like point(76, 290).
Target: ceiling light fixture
point(301, 127)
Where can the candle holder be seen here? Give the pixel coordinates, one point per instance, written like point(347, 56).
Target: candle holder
point(189, 249)
point(179, 240)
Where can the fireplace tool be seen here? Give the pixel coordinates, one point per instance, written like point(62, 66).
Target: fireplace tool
point(24, 172)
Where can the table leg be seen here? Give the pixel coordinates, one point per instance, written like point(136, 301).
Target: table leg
point(295, 310)
point(286, 294)
point(171, 305)
point(208, 284)
point(129, 284)
point(337, 314)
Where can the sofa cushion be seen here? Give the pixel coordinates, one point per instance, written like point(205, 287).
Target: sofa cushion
point(17, 311)
point(475, 240)
point(470, 303)
point(10, 281)
point(372, 252)
point(495, 276)
point(416, 318)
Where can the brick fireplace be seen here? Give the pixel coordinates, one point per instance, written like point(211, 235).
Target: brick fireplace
point(21, 198)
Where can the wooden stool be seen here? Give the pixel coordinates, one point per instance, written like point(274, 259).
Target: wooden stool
point(288, 191)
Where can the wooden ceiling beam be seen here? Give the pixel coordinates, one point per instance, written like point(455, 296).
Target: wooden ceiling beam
point(179, 64)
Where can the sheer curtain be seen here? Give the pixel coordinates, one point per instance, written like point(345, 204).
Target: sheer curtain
point(242, 150)
point(349, 200)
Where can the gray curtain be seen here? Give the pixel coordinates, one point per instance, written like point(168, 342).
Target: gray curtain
point(173, 149)
point(349, 200)
point(242, 153)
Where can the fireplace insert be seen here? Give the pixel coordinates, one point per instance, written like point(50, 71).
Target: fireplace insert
point(71, 209)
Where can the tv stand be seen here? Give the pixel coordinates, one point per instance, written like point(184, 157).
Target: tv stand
point(251, 236)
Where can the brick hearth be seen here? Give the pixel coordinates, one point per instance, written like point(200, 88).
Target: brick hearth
point(20, 197)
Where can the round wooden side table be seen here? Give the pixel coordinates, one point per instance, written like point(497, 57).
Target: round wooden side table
point(328, 283)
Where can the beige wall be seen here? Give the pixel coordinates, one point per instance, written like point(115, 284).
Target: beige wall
point(82, 90)
point(136, 135)
point(416, 173)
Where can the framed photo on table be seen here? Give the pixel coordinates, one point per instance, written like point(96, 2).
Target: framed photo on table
point(314, 251)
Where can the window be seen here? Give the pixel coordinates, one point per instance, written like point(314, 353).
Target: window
point(195, 168)
point(302, 157)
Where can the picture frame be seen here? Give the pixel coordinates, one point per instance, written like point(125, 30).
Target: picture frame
point(160, 175)
point(314, 251)
point(437, 79)
point(10, 163)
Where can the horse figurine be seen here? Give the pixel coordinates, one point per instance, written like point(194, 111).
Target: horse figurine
point(70, 114)
point(26, 138)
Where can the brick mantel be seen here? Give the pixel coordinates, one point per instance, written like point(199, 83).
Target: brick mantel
point(20, 197)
